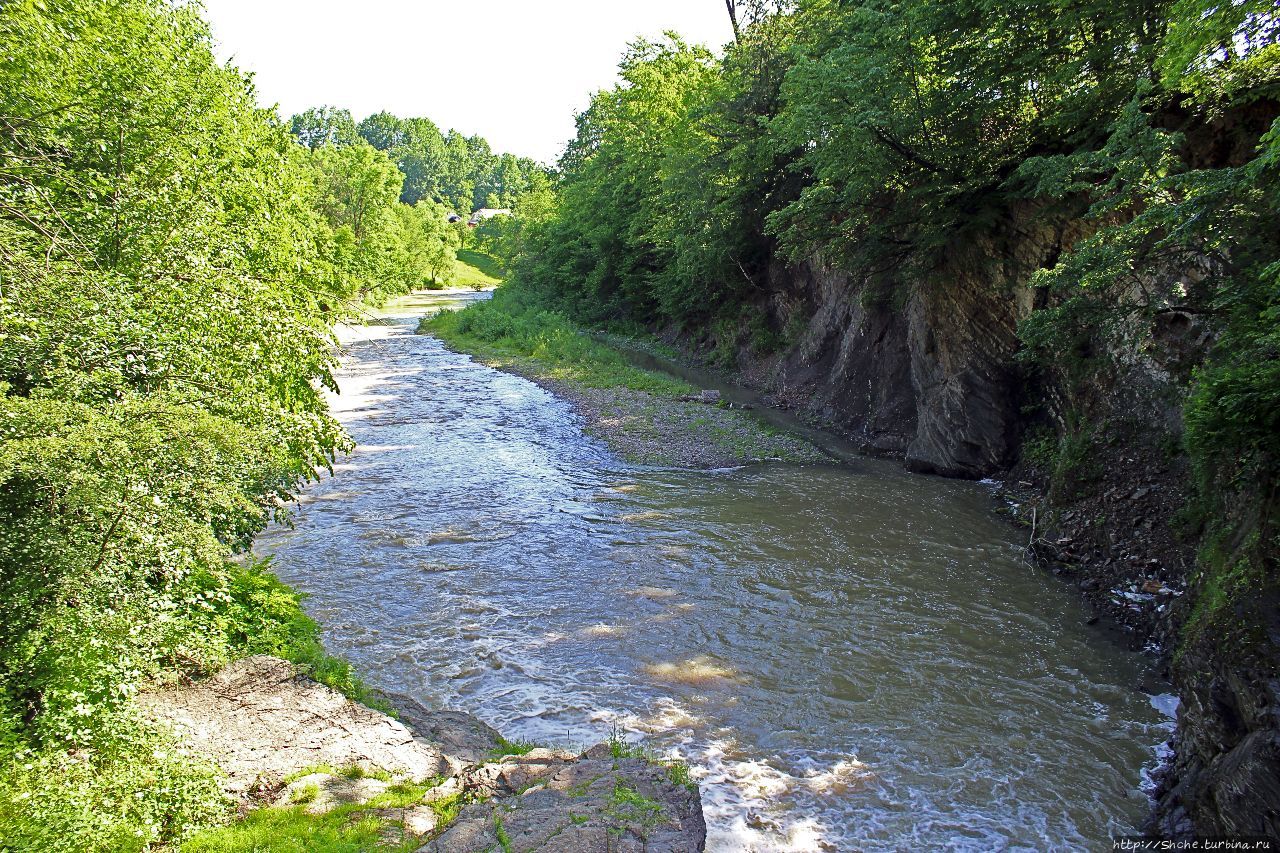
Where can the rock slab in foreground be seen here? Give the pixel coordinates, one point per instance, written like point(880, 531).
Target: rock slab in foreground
point(260, 720)
point(548, 800)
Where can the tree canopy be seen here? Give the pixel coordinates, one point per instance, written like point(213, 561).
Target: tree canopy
point(458, 171)
point(886, 137)
point(172, 261)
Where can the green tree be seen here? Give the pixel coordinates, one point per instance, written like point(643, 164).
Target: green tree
point(382, 130)
point(352, 182)
point(165, 318)
point(321, 126)
point(420, 156)
point(609, 242)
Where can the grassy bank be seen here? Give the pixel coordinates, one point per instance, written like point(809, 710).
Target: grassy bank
point(475, 270)
point(509, 332)
point(639, 413)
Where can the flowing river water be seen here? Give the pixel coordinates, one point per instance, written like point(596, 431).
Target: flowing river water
point(852, 657)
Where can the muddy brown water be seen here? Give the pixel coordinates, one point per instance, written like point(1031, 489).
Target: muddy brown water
point(851, 657)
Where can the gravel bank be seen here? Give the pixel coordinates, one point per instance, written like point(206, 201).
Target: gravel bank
point(649, 429)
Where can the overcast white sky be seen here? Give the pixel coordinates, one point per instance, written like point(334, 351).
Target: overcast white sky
point(514, 71)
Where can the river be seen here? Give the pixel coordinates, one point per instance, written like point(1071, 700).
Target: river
point(852, 657)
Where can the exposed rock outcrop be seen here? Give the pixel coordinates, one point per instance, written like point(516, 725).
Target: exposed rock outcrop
point(548, 800)
point(923, 372)
point(925, 368)
point(279, 736)
point(850, 366)
point(261, 720)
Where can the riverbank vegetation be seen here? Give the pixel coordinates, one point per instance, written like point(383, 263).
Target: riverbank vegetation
point(475, 270)
point(909, 144)
point(173, 258)
point(172, 261)
point(511, 329)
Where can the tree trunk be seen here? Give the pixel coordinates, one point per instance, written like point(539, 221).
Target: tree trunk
point(732, 6)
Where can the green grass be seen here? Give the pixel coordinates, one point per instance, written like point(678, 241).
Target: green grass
point(136, 792)
point(304, 795)
point(629, 806)
point(501, 831)
point(486, 265)
point(679, 774)
point(475, 270)
point(352, 828)
point(580, 789)
point(506, 327)
point(345, 829)
point(447, 808)
point(350, 771)
point(512, 747)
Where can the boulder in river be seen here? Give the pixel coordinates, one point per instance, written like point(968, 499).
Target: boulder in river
point(708, 396)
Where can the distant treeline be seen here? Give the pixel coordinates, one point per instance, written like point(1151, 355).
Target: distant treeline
point(460, 172)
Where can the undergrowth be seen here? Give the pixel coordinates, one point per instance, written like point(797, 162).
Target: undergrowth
point(511, 326)
point(344, 829)
point(125, 785)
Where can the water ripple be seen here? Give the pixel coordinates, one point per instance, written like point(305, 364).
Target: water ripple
point(852, 656)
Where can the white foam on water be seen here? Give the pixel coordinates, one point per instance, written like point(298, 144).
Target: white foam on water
point(748, 803)
point(840, 778)
point(600, 629)
point(1167, 704)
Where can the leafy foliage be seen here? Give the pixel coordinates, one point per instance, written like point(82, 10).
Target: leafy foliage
point(880, 135)
point(171, 262)
point(450, 169)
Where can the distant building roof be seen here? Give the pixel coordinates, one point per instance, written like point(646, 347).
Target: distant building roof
point(487, 213)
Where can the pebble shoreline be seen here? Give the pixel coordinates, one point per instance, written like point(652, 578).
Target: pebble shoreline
point(649, 429)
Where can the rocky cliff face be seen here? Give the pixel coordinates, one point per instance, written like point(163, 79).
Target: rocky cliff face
point(929, 374)
point(925, 372)
point(1226, 776)
point(852, 364)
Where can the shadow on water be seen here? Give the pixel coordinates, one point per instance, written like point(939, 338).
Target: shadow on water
point(852, 657)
